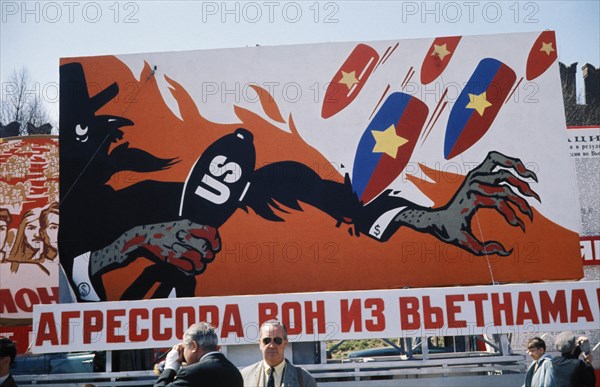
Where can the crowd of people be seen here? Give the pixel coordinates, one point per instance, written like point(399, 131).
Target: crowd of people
point(204, 363)
point(197, 361)
point(564, 370)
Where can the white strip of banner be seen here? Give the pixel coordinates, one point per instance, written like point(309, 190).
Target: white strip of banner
point(450, 311)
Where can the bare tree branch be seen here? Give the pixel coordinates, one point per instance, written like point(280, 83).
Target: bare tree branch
point(21, 102)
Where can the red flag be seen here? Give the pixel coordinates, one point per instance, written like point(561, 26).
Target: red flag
point(437, 58)
point(349, 79)
point(542, 55)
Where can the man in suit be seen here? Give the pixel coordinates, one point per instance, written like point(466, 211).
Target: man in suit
point(275, 370)
point(206, 366)
point(8, 352)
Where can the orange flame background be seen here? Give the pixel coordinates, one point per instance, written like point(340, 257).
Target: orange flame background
point(307, 253)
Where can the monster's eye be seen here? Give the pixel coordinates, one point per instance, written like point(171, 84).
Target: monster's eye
point(81, 132)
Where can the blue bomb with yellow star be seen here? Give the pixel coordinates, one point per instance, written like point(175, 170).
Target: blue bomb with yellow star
point(387, 144)
point(477, 105)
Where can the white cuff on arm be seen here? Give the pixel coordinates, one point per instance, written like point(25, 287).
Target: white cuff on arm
point(171, 360)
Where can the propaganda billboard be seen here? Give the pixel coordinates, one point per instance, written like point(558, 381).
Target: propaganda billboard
point(319, 167)
point(29, 212)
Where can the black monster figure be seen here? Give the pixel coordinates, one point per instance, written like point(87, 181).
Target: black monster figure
point(103, 229)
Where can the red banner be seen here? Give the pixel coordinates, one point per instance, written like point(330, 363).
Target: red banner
point(454, 311)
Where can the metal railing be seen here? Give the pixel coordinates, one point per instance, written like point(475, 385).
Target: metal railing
point(455, 370)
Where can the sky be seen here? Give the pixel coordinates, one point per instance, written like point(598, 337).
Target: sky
point(36, 34)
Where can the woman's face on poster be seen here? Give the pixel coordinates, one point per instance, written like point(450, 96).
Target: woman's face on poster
point(52, 229)
point(32, 233)
point(3, 233)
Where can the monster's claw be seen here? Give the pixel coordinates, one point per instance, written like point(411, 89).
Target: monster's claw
point(510, 215)
point(498, 194)
point(523, 187)
point(472, 244)
point(496, 248)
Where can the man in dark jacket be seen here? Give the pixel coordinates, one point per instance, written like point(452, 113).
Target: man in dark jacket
point(570, 371)
point(206, 366)
point(8, 351)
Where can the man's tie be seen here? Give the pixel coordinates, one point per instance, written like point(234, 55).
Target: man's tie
point(271, 381)
point(535, 367)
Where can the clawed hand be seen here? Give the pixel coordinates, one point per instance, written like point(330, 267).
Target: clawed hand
point(183, 243)
point(486, 187)
point(490, 185)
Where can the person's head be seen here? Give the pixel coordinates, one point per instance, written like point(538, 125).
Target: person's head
point(27, 241)
point(31, 225)
point(8, 351)
point(536, 348)
point(565, 343)
point(273, 340)
point(4, 222)
point(49, 230)
point(199, 339)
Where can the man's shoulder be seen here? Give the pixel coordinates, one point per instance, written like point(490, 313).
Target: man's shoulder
point(289, 363)
point(568, 363)
point(307, 378)
point(213, 356)
point(211, 367)
point(561, 360)
point(250, 373)
point(216, 359)
point(546, 363)
point(546, 358)
point(251, 368)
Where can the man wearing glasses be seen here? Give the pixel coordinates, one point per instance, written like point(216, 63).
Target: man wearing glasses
point(275, 370)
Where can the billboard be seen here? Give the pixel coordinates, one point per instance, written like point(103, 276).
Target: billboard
point(29, 263)
point(320, 167)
